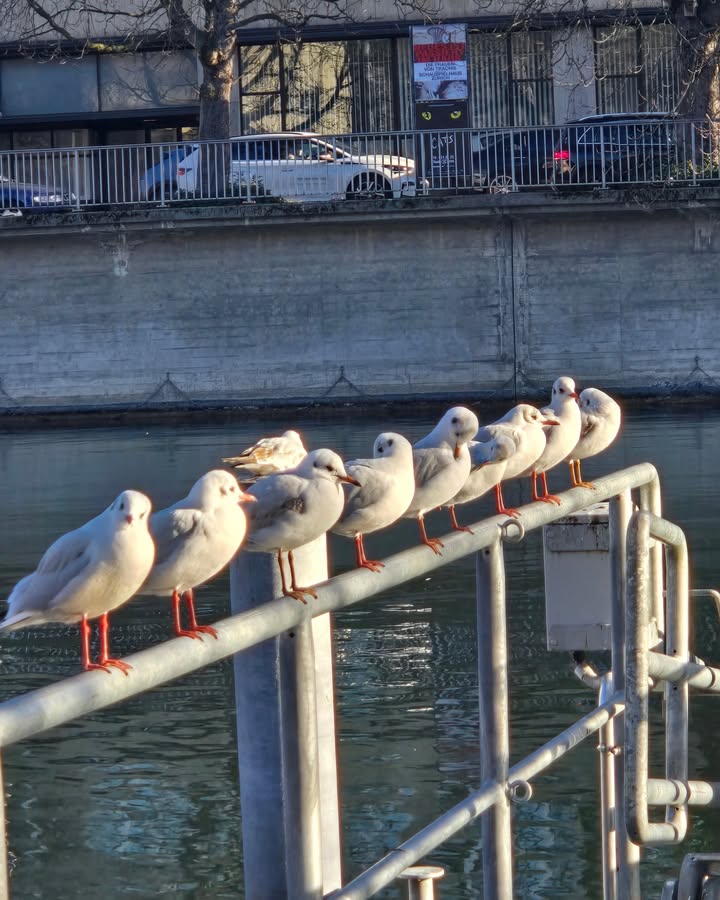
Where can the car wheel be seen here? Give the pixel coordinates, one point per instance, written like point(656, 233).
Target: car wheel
point(502, 184)
point(368, 186)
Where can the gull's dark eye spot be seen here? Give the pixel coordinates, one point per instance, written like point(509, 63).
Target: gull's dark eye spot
point(454, 420)
point(315, 465)
point(122, 505)
point(381, 449)
point(390, 442)
point(142, 515)
point(329, 468)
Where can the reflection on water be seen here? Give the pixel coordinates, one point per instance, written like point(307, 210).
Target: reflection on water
point(142, 799)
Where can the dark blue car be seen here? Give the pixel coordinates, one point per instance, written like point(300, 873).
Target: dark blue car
point(14, 195)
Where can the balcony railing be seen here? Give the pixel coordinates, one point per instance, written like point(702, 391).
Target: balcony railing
point(599, 153)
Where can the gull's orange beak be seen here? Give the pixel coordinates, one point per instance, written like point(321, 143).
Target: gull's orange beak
point(456, 451)
point(550, 422)
point(575, 395)
point(348, 479)
point(246, 498)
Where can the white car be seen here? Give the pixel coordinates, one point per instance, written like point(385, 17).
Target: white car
point(293, 166)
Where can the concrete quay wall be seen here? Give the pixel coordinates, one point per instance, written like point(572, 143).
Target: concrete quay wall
point(452, 298)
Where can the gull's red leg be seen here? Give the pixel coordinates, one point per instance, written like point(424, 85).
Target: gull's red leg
point(454, 522)
point(296, 591)
point(105, 659)
point(433, 543)
point(361, 560)
point(500, 507)
point(204, 629)
point(547, 497)
point(578, 477)
point(85, 631)
point(573, 475)
point(177, 621)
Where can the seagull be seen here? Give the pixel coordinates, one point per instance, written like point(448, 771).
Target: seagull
point(86, 574)
point(386, 487)
point(525, 424)
point(195, 539)
point(296, 507)
point(268, 455)
point(561, 440)
point(442, 465)
point(488, 462)
point(601, 419)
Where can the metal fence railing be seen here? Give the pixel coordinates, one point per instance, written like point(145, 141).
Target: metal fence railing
point(289, 846)
point(597, 152)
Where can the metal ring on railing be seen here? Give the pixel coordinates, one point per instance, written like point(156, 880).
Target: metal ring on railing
point(510, 538)
point(520, 791)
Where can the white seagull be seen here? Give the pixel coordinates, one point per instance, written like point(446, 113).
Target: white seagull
point(442, 465)
point(525, 424)
point(296, 507)
point(560, 440)
point(195, 539)
point(601, 419)
point(488, 462)
point(386, 487)
point(268, 455)
point(86, 574)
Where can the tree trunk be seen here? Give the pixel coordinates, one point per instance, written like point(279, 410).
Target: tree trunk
point(215, 99)
point(217, 52)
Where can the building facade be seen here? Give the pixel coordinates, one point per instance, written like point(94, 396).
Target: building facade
point(339, 79)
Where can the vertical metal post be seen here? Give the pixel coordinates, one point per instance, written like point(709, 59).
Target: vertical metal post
point(421, 881)
point(4, 886)
point(494, 711)
point(677, 695)
point(627, 854)
point(607, 750)
point(650, 501)
point(290, 823)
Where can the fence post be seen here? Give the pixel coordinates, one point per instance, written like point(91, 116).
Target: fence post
point(494, 711)
point(286, 741)
point(627, 854)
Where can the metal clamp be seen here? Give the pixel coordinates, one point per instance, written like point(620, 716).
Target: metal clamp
point(520, 791)
point(512, 538)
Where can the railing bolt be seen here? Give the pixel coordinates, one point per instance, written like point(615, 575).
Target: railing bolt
point(420, 881)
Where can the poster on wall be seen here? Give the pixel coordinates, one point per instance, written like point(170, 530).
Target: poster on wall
point(440, 76)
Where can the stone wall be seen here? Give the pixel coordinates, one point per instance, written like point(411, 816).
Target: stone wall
point(454, 297)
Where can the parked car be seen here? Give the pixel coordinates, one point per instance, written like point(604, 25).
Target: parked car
point(294, 166)
point(615, 148)
point(508, 159)
point(160, 180)
point(18, 195)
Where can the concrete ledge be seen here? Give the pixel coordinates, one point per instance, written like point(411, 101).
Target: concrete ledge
point(530, 202)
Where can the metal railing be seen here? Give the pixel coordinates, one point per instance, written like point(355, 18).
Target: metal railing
point(301, 167)
point(285, 728)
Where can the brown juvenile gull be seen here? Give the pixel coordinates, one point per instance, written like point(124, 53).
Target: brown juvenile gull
point(268, 455)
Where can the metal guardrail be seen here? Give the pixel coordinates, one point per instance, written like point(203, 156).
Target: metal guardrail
point(298, 167)
point(277, 639)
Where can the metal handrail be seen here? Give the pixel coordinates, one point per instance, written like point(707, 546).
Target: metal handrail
point(56, 704)
point(386, 165)
point(36, 712)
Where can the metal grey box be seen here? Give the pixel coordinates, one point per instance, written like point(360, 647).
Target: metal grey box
point(576, 551)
